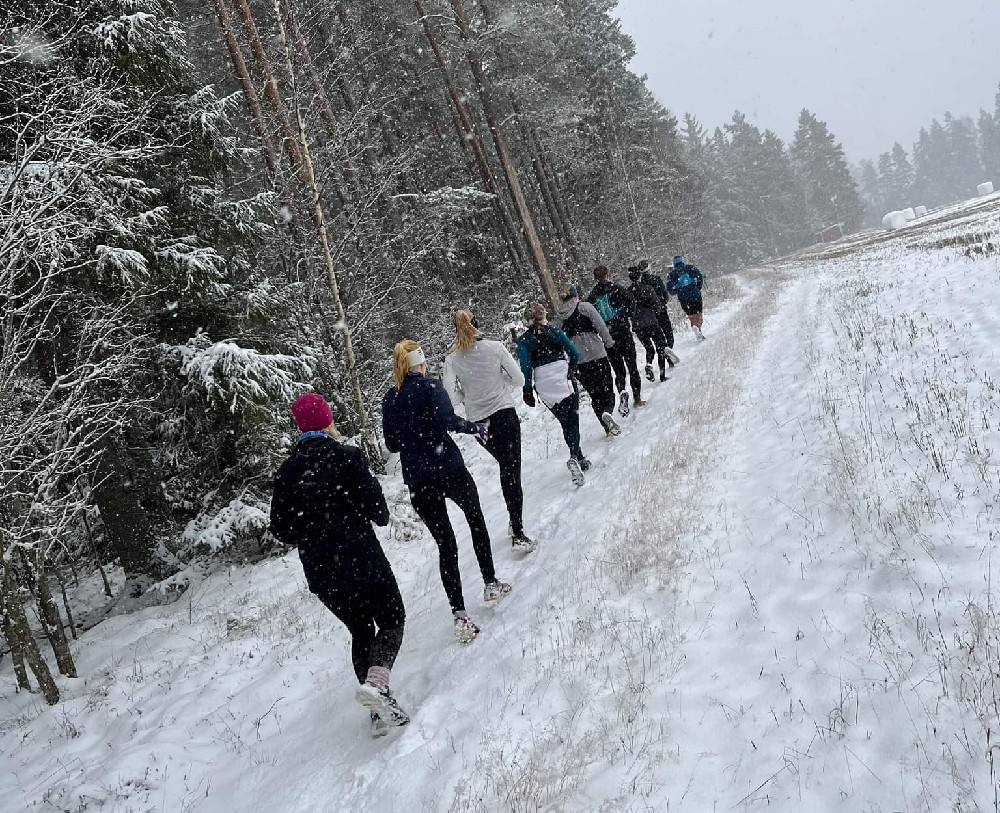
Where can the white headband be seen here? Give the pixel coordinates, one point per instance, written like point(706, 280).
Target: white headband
point(416, 358)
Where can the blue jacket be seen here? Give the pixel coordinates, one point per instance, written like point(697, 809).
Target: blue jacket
point(685, 282)
point(535, 351)
point(416, 421)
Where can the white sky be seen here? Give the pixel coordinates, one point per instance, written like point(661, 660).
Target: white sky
point(874, 70)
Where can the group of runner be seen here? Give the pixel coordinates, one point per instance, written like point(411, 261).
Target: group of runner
point(326, 500)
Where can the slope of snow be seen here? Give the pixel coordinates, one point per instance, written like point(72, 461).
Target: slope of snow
point(774, 590)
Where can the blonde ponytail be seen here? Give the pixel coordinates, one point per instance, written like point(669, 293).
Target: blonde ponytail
point(400, 360)
point(465, 333)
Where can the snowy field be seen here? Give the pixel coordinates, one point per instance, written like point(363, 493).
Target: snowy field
point(774, 592)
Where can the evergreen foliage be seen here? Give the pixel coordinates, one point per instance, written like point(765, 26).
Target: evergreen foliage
point(831, 193)
point(949, 160)
point(208, 209)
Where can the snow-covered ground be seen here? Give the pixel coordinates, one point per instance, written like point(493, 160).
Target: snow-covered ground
point(774, 591)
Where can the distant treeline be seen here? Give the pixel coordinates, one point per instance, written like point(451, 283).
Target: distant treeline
point(945, 164)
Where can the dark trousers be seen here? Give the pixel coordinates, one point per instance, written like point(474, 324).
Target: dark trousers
point(428, 500)
point(668, 329)
point(505, 445)
point(595, 377)
point(373, 613)
point(567, 412)
point(622, 358)
point(655, 344)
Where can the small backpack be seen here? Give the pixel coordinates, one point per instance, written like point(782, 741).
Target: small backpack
point(605, 309)
point(547, 349)
point(578, 323)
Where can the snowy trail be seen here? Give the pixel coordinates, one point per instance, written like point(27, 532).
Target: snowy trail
point(774, 589)
point(505, 694)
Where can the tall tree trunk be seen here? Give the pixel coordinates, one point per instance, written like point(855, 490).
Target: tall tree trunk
point(325, 108)
point(271, 92)
point(65, 599)
point(48, 614)
point(471, 137)
point(250, 96)
point(547, 182)
point(509, 170)
point(14, 642)
point(368, 441)
point(547, 179)
point(17, 623)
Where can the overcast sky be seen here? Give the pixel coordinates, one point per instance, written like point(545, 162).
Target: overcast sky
point(874, 70)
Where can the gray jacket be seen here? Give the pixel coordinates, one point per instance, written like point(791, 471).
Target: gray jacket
point(592, 345)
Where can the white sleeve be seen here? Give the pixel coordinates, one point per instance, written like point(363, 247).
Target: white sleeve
point(510, 367)
point(451, 386)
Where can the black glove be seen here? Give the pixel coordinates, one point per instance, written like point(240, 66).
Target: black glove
point(528, 396)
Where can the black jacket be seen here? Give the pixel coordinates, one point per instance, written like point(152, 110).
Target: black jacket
point(655, 281)
point(325, 501)
point(416, 421)
point(647, 305)
point(613, 302)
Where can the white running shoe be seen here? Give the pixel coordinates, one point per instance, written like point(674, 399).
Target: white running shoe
point(575, 471)
point(380, 702)
point(494, 591)
point(672, 357)
point(465, 629)
point(611, 426)
point(520, 543)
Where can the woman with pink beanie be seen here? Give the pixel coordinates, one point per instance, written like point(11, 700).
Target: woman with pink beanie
point(325, 501)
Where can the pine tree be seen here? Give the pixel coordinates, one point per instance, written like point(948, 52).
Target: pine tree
point(895, 179)
point(989, 141)
point(128, 216)
point(965, 169)
point(830, 192)
point(931, 165)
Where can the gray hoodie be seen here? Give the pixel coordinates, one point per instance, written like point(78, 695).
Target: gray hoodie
point(592, 346)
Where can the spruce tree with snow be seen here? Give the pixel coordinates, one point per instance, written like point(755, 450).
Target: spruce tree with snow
point(989, 142)
point(870, 190)
point(122, 218)
point(895, 179)
point(965, 170)
point(831, 194)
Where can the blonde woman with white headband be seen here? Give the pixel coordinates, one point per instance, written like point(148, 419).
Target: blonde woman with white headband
point(417, 417)
point(481, 374)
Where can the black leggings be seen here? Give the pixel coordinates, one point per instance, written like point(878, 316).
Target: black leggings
point(595, 377)
point(505, 445)
point(652, 337)
point(622, 358)
point(567, 412)
point(372, 609)
point(428, 500)
point(663, 317)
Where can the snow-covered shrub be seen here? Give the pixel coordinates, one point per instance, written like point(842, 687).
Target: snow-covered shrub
point(239, 378)
point(237, 530)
